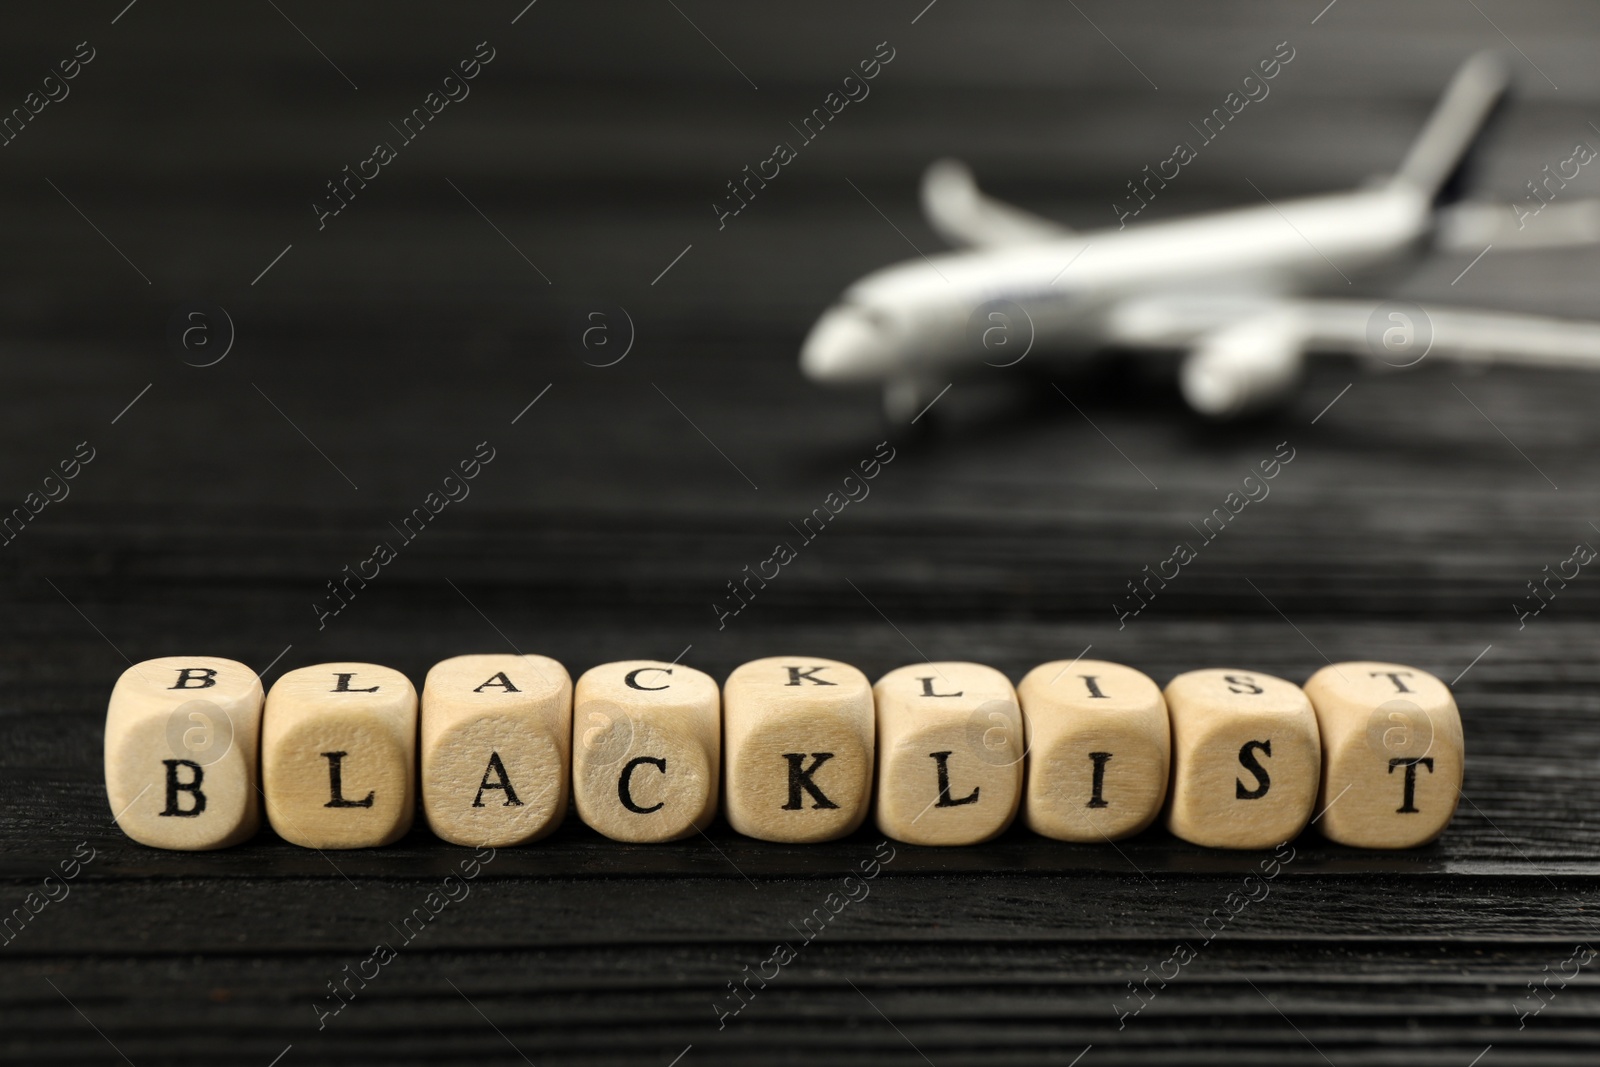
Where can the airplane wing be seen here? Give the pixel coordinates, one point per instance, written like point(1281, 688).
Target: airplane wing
point(1394, 335)
point(959, 211)
point(1470, 225)
point(1247, 353)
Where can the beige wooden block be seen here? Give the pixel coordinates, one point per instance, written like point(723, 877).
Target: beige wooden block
point(1246, 758)
point(798, 735)
point(1099, 749)
point(496, 748)
point(1391, 754)
point(338, 755)
point(950, 751)
point(182, 733)
point(646, 749)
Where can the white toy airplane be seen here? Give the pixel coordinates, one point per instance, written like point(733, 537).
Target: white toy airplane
point(1229, 288)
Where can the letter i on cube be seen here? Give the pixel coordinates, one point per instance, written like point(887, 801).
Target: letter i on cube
point(180, 754)
point(1099, 749)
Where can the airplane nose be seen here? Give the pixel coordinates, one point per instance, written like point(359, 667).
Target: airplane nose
point(840, 347)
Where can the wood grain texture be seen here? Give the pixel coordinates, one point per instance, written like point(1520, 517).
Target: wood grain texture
point(607, 526)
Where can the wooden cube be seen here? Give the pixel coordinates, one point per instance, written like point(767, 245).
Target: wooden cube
point(950, 752)
point(496, 748)
point(1246, 758)
point(798, 733)
point(1099, 749)
point(1391, 754)
point(182, 734)
point(338, 755)
point(646, 750)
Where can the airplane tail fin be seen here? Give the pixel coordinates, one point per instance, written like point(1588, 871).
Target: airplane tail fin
point(1458, 119)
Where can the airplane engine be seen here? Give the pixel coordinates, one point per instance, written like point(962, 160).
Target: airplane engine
point(1244, 368)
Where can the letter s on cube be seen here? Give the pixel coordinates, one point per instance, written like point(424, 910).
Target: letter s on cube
point(182, 736)
point(1246, 759)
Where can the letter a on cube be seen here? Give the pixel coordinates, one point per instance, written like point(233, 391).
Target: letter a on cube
point(182, 734)
point(950, 753)
point(338, 755)
point(496, 748)
point(798, 731)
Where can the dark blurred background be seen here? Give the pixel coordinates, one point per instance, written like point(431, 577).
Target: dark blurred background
point(373, 354)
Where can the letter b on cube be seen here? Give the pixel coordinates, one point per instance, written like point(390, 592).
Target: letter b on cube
point(182, 735)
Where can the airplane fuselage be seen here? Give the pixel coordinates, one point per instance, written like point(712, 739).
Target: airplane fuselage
point(914, 318)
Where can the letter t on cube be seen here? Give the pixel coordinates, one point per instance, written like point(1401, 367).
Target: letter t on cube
point(1391, 754)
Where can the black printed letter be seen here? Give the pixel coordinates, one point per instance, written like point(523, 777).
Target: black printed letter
point(504, 783)
point(1253, 765)
point(632, 680)
point(1100, 758)
point(624, 784)
point(206, 676)
point(1393, 676)
point(499, 681)
point(344, 685)
point(800, 778)
point(174, 787)
point(1411, 780)
point(943, 760)
point(809, 674)
point(336, 778)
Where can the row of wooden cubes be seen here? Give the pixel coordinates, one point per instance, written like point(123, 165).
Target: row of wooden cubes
point(794, 747)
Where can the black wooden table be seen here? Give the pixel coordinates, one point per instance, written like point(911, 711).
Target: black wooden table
point(183, 168)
